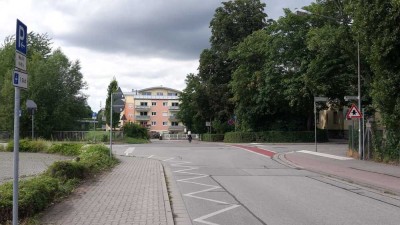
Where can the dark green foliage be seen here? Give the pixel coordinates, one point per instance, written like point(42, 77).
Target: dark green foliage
point(26, 145)
point(69, 149)
point(112, 88)
point(96, 158)
point(275, 136)
point(212, 137)
point(134, 130)
point(59, 180)
point(66, 170)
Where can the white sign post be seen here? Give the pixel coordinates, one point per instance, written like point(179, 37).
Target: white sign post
point(20, 80)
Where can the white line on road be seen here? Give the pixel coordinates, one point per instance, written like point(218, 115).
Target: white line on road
point(129, 151)
point(150, 156)
point(325, 155)
point(202, 219)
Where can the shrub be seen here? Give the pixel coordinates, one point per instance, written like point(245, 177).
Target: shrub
point(66, 170)
point(97, 158)
point(135, 131)
point(274, 136)
point(69, 149)
point(26, 145)
point(2, 148)
point(212, 137)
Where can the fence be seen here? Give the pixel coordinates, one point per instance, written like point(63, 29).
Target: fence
point(179, 136)
point(85, 135)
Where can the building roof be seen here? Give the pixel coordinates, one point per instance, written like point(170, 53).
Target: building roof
point(159, 87)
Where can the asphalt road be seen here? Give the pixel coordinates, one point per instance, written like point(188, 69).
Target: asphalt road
point(223, 184)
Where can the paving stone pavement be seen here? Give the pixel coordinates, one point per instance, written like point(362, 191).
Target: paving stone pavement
point(134, 192)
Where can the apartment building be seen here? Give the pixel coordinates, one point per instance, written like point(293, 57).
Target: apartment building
point(154, 108)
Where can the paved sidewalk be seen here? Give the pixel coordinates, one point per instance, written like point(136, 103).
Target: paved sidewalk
point(132, 193)
point(380, 176)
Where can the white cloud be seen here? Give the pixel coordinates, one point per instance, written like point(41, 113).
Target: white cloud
point(141, 43)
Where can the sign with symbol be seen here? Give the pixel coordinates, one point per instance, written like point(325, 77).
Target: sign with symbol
point(21, 37)
point(94, 115)
point(20, 61)
point(118, 106)
point(353, 112)
point(20, 79)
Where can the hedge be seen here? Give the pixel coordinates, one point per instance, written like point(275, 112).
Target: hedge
point(212, 137)
point(59, 180)
point(275, 136)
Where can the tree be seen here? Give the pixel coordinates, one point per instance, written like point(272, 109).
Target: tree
point(232, 22)
point(112, 88)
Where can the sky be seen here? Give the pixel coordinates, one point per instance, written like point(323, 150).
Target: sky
point(140, 43)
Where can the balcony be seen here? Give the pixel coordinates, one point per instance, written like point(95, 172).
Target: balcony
point(142, 108)
point(174, 108)
point(142, 118)
point(173, 118)
point(176, 128)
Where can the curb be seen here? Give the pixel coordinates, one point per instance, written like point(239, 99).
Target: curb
point(167, 202)
point(178, 205)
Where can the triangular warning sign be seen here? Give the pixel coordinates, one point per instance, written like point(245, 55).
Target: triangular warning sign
point(353, 112)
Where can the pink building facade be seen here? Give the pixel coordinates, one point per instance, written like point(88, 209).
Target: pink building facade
point(154, 108)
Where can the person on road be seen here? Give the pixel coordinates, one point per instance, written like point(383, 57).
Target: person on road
point(190, 136)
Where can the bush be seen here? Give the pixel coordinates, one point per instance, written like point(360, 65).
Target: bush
point(68, 149)
point(212, 137)
point(275, 136)
point(2, 148)
point(135, 131)
point(66, 170)
point(97, 158)
point(59, 180)
point(26, 145)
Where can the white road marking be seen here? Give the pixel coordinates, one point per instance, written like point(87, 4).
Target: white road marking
point(202, 219)
point(325, 155)
point(150, 156)
point(210, 187)
point(129, 151)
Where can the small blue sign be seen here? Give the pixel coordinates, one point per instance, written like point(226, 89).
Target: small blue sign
point(94, 115)
point(21, 36)
point(16, 78)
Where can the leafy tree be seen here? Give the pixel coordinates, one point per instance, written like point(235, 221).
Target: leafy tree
point(232, 22)
point(112, 88)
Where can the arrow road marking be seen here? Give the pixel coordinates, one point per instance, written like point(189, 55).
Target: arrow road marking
point(129, 151)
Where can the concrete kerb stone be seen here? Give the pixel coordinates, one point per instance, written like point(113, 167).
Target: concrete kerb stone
point(181, 216)
point(167, 201)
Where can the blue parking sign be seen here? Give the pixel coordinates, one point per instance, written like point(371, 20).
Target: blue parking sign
point(21, 37)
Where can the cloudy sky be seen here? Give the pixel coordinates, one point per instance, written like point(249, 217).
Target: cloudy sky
point(143, 43)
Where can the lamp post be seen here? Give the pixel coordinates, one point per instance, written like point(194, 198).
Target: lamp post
point(317, 99)
point(305, 12)
point(118, 107)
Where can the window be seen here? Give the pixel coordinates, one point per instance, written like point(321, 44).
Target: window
point(160, 94)
point(165, 103)
point(143, 124)
point(172, 94)
point(174, 123)
point(143, 103)
point(154, 103)
point(164, 114)
point(143, 113)
point(146, 93)
point(153, 113)
point(175, 104)
point(153, 123)
point(165, 123)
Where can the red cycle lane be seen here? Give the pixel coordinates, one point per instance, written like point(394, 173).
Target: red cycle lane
point(257, 150)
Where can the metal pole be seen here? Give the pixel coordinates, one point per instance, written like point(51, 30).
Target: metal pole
point(315, 126)
point(33, 119)
point(363, 133)
point(16, 155)
point(359, 101)
point(111, 114)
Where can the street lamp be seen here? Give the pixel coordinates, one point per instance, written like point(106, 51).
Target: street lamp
point(305, 12)
point(118, 107)
point(317, 99)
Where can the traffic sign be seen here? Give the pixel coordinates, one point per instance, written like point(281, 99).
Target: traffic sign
point(22, 37)
point(94, 115)
point(118, 106)
point(353, 112)
point(20, 61)
point(20, 79)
